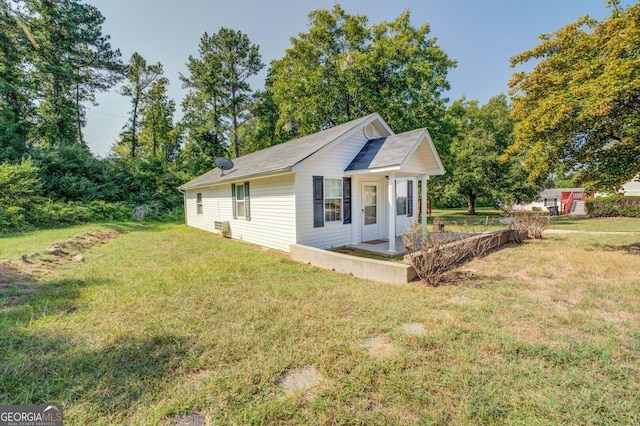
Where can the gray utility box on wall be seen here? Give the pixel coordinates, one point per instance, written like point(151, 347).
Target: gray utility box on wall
point(223, 227)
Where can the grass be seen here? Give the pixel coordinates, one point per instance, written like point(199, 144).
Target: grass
point(171, 321)
point(486, 219)
point(16, 244)
point(602, 224)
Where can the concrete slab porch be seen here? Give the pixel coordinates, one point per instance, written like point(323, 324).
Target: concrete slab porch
point(382, 247)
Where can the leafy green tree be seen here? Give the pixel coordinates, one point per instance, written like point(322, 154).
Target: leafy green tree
point(140, 77)
point(343, 68)
point(475, 169)
point(158, 135)
point(16, 86)
point(220, 93)
point(239, 60)
point(579, 108)
point(202, 106)
point(74, 60)
point(72, 173)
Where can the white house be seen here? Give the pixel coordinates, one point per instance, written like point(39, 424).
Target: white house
point(559, 198)
point(632, 187)
point(351, 183)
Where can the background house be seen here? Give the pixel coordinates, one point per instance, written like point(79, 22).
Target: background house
point(561, 200)
point(352, 183)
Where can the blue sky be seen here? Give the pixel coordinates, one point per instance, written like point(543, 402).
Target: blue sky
point(480, 34)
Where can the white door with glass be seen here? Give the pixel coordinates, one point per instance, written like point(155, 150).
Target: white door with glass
point(370, 195)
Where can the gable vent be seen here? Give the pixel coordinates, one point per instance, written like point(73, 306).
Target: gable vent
point(368, 131)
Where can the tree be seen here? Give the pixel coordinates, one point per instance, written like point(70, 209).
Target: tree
point(239, 60)
point(220, 93)
point(580, 105)
point(343, 68)
point(16, 104)
point(74, 61)
point(158, 135)
point(140, 76)
point(475, 169)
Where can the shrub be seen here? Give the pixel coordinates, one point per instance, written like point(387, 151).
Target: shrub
point(436, 253)
point(530, 224)
point(614, 206)
point(42, 212)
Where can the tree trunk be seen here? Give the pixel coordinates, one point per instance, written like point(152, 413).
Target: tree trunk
point(471, 203)
point(153, 130)
point(133, 128)
point(234, 112)
point(236, 142)
point(80, 138)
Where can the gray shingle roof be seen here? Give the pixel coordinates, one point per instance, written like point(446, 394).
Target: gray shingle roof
point(385, 152)
point(556, 192)
point(278, 158)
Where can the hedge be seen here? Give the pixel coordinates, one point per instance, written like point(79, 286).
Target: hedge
point(42, 212)
point(613, 206)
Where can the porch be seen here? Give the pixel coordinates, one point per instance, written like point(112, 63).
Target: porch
point(381, 246)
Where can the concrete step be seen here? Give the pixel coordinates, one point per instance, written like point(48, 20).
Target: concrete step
point(578, 208)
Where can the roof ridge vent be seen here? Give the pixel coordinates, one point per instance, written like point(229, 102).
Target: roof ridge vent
point(369, 131)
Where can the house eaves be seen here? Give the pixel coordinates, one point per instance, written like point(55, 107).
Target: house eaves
point(283, 157)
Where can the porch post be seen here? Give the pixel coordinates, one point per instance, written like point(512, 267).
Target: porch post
point(391, 195)
point(425, 195)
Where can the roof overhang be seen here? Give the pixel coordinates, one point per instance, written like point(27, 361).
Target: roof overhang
point(243, 178)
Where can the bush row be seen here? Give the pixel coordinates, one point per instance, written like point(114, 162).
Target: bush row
point(44, 213)
point(613, 206)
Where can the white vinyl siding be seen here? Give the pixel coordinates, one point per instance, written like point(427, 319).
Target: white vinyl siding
point(330, 165)
point(272, 212)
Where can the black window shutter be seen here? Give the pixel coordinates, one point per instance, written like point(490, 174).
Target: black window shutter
point(233, 200)
point(247, 204)
point(346, 200)
point(318, 201)
point(409, 198)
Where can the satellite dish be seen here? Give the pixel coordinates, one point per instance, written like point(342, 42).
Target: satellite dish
point(223, 163)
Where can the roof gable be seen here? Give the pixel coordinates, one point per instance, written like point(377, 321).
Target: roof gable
point(393, 152)
point(283, 157)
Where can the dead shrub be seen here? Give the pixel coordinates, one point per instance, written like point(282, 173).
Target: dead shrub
point(434, 254)
point(528, 223)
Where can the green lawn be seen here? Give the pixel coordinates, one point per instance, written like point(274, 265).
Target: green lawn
point(486, 219)
point(602, 224)
point(169, 321)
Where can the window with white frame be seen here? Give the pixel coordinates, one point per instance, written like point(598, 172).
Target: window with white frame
point(401, 198)
point(332, 200)
point(199, 203)
point(240, 201)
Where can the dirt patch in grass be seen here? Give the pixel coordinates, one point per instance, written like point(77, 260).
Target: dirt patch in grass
point(413, 328)
point(58, 253)
point(18, 278)
point(378, 346)
point(191, 420)
point(300, 380)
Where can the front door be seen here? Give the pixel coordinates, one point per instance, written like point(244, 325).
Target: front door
point(370, 195)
